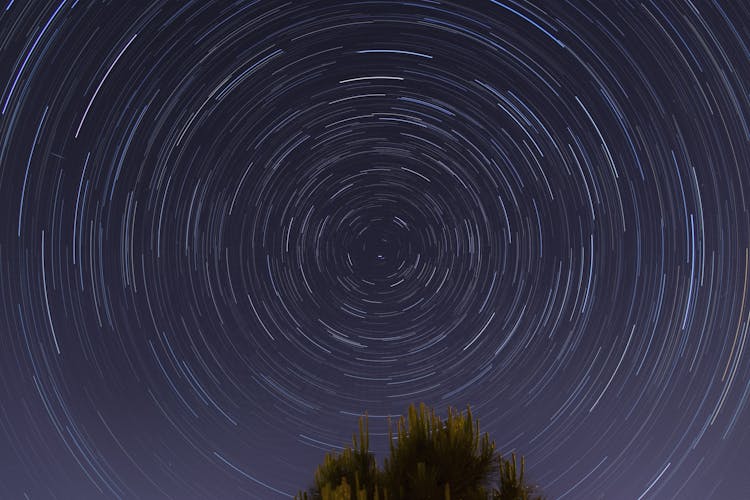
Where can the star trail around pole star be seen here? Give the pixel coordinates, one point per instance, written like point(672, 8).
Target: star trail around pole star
point(229, 229)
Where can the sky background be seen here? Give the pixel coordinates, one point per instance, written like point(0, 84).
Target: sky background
point(228, 229)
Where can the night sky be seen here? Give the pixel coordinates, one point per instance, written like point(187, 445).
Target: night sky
point(228, 229)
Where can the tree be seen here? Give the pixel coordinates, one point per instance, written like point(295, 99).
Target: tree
point(354, 466)
point(430, 453)
point(512, 484)
point(430, 459)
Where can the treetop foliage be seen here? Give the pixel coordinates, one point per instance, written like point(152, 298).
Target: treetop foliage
point(430, 459)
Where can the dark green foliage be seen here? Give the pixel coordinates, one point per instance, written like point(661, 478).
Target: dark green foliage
point(512, 486)
point(355, 466)
point(429, 453)
point(430, 459)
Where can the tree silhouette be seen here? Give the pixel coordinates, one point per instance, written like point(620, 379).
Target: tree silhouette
point(353, 467)
point(430, 459)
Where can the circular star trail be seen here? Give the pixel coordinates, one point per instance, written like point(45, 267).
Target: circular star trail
point(229, 229)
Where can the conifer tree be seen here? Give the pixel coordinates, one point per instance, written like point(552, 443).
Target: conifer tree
point(429, 459)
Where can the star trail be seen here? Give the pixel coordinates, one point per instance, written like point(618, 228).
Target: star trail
point(231, 228)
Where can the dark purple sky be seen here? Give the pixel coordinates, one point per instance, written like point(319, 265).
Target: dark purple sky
point(228, 229)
